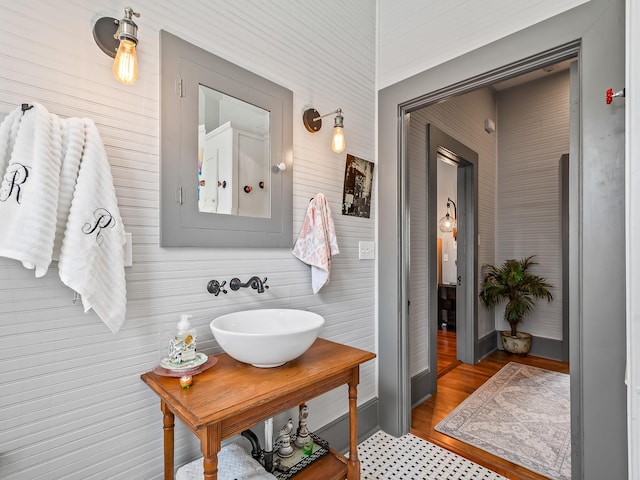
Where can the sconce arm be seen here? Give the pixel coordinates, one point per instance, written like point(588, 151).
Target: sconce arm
point(455, 208)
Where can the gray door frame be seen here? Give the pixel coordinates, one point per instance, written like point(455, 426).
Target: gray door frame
point(467, 198)
point(597, 340)
point(439, 144)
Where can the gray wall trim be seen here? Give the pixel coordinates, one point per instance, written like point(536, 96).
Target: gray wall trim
point(337, 432)
point(487, 344)
point(574, 259)
point(420, 387)
point(393, 372)
point(564, 193)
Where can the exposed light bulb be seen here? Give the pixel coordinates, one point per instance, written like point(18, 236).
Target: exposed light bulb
point(447, 224)
point(338, 143)
point(125, 66)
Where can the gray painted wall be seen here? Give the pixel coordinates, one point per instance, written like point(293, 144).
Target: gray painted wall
point(533, 126)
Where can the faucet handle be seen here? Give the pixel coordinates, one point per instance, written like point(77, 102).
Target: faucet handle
point(216, 287)
point(254, 285)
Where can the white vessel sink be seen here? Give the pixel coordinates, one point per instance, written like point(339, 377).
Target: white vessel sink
point(268, 337)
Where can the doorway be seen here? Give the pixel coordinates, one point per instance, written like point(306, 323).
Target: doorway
point(429, 146)
point(446, 231)
point(596, 208)
point(412, 111)
point(452, 183)
point(443, 147)
point(521, 213)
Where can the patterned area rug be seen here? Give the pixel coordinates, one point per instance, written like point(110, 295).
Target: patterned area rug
point(383, 457)
point(520, 414)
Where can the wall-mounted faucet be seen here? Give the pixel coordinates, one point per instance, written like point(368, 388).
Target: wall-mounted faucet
point(214, 287)
point(254, 282)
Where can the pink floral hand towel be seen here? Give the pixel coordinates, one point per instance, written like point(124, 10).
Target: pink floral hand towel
point(317, 241)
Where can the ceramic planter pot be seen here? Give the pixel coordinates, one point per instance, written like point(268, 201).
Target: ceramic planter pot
point(518, 345)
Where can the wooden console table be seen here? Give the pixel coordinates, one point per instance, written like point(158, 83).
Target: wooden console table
point(233, 396)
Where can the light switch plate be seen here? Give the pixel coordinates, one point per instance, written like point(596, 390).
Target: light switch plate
point(366, 250)
point(128, 250)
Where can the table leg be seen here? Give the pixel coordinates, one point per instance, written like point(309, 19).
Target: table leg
point(167, 425)
point(210, 440)
point(353, 464)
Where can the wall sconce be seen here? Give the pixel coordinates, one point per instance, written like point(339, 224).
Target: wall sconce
point(313, 123)
point(118, 39)
point(449, 223)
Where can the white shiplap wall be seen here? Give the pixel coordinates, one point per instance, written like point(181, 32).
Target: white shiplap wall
point(72, 404)
point(446, 30)
point(447, 189)
point(533, 134)
point(462, 118)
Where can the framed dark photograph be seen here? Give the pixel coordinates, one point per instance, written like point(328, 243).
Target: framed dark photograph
point(358, 182)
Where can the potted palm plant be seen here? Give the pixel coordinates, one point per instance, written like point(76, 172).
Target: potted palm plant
point(513, 282)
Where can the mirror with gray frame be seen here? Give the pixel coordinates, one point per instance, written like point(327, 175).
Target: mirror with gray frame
point(226, 152)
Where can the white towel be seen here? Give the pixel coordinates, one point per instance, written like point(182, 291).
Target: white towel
point(73, 140)
point(30, 144)
point(57, 201)
point(8, 134)
point(92, 255)
point(234, 463)
point(317, 241)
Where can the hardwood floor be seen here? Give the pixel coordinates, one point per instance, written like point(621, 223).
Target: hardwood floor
point(446, 352)
point(456, 382)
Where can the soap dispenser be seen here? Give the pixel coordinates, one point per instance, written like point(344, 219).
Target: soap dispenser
point(182, 346)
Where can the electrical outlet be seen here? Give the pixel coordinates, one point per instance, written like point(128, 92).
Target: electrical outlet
point(366, 250)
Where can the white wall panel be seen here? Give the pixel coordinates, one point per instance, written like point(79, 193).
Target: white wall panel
point(72, 404)
point(421, 34)
point(447, 189)
point(418, 258)
point(533, 125)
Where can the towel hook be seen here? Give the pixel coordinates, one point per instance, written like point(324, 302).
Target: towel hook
point(25, 107)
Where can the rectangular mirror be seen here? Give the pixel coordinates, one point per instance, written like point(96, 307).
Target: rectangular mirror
point(226, 134)
point(233, 156)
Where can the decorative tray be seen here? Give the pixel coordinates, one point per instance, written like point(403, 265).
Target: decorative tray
point(298, 461)
point(185, 367)
point(192, 369)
